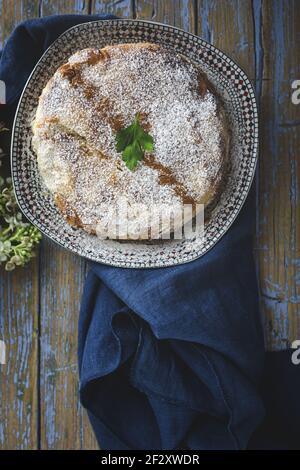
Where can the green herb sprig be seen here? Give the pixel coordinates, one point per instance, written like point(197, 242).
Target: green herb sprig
point(133, 142)
point(17, 238)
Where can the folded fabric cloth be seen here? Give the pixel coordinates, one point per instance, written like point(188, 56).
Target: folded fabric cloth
point(169, 358)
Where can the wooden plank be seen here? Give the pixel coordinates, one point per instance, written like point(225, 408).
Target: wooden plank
point(62, 277)
point(278, 230)
point(19, 303)
point(18, 377)
point(56, 7)
point(121, 8)
point(230, 28)
point(63, 423)
point(180, 13)
point(12, 12)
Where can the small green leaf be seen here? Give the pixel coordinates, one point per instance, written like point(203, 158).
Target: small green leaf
point(147, 143)
point(132, 154)
point(124, 137)
point(133, 141)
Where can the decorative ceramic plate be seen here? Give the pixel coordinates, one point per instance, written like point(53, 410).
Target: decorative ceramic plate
point(231, 83)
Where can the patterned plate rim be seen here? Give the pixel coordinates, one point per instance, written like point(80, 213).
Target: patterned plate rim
point(234, 213)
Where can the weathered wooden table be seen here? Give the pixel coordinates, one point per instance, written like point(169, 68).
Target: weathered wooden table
point(39, 304)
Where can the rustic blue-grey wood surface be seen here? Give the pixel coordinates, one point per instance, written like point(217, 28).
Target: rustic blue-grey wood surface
point(39, 304)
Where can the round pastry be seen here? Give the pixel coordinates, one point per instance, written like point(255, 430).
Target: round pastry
point(83, 109)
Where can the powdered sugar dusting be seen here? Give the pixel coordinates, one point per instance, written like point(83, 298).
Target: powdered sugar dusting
point(76, 123)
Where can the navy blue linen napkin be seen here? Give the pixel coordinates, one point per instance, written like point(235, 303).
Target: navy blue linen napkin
point(169, 358)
